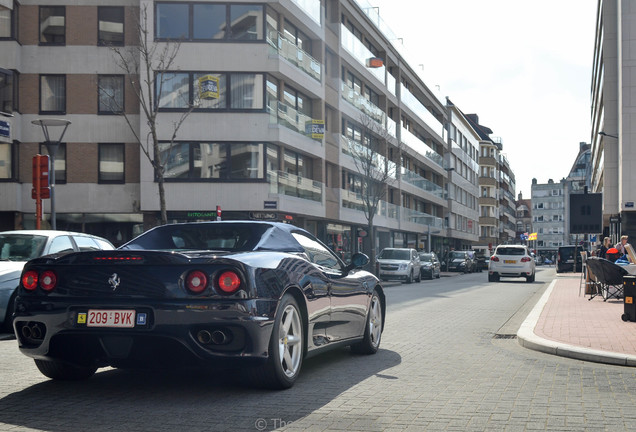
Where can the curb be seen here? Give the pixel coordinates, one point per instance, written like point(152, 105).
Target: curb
point(528, 339)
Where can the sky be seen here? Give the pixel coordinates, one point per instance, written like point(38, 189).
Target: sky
point(524, 68)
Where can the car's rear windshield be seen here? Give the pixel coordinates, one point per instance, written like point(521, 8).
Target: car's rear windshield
point(229, 237)
point(458, 254)
point(510, 251)
point(426, 257)
point(397, 254)
point(21, 247)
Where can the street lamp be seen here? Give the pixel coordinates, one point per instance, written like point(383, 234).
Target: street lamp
point(51, 148)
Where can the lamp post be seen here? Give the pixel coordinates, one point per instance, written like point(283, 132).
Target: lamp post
point(51, 148)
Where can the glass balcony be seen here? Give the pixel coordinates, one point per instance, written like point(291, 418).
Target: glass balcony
point(356, 48)
point(391, 127)
point(288, 184)
point(421, 111)
point(391, 84)
point(422, 218)
point(284, 115)
point(353, 200)
point(357, 150)
point(421, 147)
point(296, 56)
point(311, 8)
point(421, 183)
point(362, 104)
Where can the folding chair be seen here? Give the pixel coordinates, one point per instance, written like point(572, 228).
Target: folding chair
point(612, 279)
point(593, 285)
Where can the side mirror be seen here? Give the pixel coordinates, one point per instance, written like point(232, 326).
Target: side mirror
point(358, 260)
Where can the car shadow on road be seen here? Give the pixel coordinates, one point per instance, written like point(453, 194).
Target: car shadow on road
point(199, 400)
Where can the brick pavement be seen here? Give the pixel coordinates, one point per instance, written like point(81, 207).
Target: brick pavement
point(594, 327)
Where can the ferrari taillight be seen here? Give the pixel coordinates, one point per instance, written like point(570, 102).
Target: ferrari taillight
point(228, 282)
point(196, 281)
point(30, 280)
point(48, 280)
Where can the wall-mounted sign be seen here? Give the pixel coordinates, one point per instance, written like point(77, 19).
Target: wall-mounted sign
point(263, 215)
point(209, 87)
point(270, 204)
point(5, 131)
point(315, 128)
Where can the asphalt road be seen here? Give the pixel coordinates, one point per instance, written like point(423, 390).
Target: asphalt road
point(448, 361)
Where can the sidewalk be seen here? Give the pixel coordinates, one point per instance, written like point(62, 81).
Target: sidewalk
point(567, 324)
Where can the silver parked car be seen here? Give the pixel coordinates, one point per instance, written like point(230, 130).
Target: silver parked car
point(400, 263)
point(17, 247)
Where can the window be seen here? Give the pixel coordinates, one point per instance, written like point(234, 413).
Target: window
point(110, 25)
point(85, 243)
point(111, 163)
point(317, 253)
point(61, 245)
point(7, 91)
point(52, 25)
point(52, 94)
point(6, 22)
point(110, 89)
point(60, 161)
point(204, 21)
point(297, 100)
point(220, 161)
point(208, 21)
point(7, 161)
point(238, 91)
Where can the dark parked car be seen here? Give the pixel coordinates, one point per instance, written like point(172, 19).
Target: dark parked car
point(254, 294)
point(566, 256)
point(460, 261)
point(430, 265)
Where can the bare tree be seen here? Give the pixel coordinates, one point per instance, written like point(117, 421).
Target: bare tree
point(376, 170)
point(148, 66)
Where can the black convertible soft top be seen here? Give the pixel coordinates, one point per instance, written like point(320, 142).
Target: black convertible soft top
point(223, 235)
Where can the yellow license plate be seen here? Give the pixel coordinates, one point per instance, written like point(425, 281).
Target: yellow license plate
point(510, 262)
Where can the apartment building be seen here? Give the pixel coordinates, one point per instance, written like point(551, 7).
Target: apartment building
point(463, 188)
point(613, 154)
point(549, 215)
point(299, 83)
point(507, 202)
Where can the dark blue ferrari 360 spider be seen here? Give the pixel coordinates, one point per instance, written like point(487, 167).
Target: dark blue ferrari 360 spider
point(258, 295)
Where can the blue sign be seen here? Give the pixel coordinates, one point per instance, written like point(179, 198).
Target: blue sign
point(5, 129)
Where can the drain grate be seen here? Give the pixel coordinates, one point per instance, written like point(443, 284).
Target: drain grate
point(505, 336)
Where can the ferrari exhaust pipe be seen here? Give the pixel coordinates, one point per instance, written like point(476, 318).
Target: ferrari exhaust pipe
point(26, 332)
point(204, 336)
point(219, 337)
point(215, 337)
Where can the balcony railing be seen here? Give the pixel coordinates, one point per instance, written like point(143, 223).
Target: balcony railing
point(288, 184)
point(353, 200)
point(421, 111)
point(361, 53)
point(311, 8)
point(363, 104)
point(422, 183)
point(356, 150)
point(421, 147)
point(296, 56)
point(284, 115)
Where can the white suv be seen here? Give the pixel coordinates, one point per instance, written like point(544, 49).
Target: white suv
point(511, 261)
point(400, 263)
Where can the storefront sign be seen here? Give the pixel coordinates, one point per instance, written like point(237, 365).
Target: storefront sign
point(263, 215)
point(5, 131)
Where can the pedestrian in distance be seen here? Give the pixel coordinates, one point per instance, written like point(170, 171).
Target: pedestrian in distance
point(620, 246)
point(602, 252)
